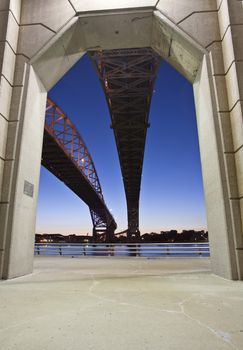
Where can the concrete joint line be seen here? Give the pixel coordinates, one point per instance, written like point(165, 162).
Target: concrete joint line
point(220, 4)
point(236, 24)
point(70, 2)
point(13, 121)
point(213, 42)
point(236, 198)
point(9, 121)
point(38, 24)
point(7, 10)
point(22, 54)
point(7, 42)
point(3, 117)
point(169, 19)
point(14, 17)
point(183, 19)
point(230, 110)
point(227, 71)
point(113, 10)
point(125, 11)
point(4, 203)
point(135, 19)
point(233, 152)
point(59, 29)
point(229, 26)
point(180, 31)
point(6, 159)
point(10, 11)
point(2, 75)
point(220, 41)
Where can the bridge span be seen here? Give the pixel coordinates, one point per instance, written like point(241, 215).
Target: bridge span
point(66, 155)
point(128, 77)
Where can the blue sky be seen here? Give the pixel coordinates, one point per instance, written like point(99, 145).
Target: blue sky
point(171, 193)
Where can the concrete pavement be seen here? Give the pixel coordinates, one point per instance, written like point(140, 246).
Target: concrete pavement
point(121, 304)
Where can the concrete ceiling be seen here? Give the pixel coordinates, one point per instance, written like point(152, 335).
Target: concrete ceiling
point(126, 29)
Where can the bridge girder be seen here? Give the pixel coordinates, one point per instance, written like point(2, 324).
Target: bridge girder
point(128, 77)
point(66, 155)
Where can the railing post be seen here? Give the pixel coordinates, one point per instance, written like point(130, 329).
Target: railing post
point(110, 251)
point(199, 251)
point(60, 250)
point(137, 250)
point(38, 250)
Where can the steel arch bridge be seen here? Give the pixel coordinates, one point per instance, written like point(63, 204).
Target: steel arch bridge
point(128, 77)
point(66, 155)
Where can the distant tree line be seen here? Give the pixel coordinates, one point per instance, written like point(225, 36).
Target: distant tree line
point(172, 236)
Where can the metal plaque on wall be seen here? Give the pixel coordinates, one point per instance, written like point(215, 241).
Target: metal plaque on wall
point(28, 188)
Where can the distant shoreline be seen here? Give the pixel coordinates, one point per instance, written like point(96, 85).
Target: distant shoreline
point(172, 236)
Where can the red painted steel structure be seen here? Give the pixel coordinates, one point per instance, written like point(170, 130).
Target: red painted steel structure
point(66, 155)
point(128, 77)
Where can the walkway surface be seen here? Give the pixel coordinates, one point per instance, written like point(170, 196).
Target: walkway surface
point(121, 304)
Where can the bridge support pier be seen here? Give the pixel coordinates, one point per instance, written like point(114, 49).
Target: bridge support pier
point(103, 234)
point(133, 236)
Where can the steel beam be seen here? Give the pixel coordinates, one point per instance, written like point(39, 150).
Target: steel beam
point(66, 155)
point(128, 77)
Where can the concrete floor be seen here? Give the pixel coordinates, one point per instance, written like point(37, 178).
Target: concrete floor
point(121, 304)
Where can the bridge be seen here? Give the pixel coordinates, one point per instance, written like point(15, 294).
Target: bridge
point(128, 77)
point(66, 155)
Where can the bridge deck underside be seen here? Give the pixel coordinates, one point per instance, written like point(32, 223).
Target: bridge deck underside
point(61, 165)
point(128, 77)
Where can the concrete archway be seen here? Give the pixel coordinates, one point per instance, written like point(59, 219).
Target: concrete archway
point(192, 36)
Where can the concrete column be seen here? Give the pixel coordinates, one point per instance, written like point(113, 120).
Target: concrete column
point(9, 29)
point(232, 33)
point(22, 104)
point(201, 21)
point(230, 16)
point(219, 218)
point(21, 179)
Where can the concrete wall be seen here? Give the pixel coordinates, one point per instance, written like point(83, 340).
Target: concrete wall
point(200, 38)
point(215, 191)
point(9, 86)
point(231, 32)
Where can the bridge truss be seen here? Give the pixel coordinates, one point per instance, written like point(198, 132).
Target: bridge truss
point(128, 77)
point(66, 155)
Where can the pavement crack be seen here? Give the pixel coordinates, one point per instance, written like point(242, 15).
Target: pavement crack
point(218, 333)
point(224, 336)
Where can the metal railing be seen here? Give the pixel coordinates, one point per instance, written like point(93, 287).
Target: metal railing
point(151, 250)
